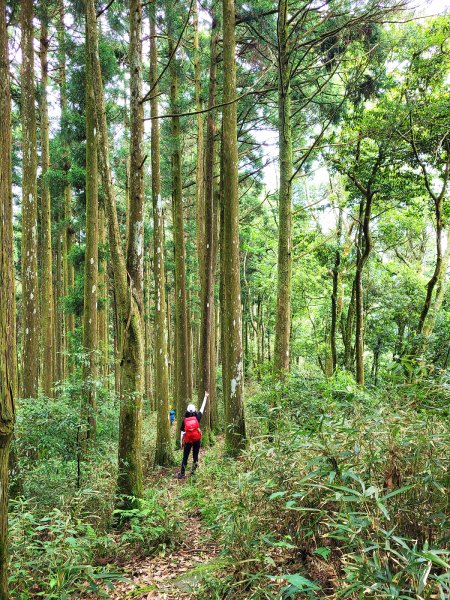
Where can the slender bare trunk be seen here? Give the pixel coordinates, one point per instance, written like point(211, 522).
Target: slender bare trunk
point(30, 291)
point(335, 294)
point(207, 350)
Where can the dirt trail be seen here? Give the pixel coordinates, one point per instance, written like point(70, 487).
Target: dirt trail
point(177, 573)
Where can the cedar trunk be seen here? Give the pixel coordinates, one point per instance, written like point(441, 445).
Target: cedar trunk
point(129, 482)
point(90, 316)
point(183, 389)
point(163, 454)
point(283, 315)
point(47, 300)
point(207, 328)
point(8, 366)
point(235, 439)
point(30, 303)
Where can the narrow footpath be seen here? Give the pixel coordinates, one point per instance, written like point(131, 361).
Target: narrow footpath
point(177, 573)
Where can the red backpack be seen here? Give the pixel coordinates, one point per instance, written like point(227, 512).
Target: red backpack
point(192, 430)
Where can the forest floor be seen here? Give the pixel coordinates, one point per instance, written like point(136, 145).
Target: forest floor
point(175, 573)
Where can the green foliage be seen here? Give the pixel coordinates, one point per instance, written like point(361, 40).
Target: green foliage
point(151, 528)
point(348, 492)
point(52, 556)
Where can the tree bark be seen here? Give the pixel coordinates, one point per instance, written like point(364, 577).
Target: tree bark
point(103, 313)
point(235, 438)
point(437, 269)
point(183, 390)
point(283, 315)
point(199, 179)
point(148, 336)
point(207, 327)
point(363, 251)
point(47, 300)
point(67, 233)
point(163, 455)
point(8, 365)
point(129, 482)
point(30, 291)
point(335, 294)
point(90, 316)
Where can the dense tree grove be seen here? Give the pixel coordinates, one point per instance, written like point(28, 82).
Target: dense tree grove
point(242, 202)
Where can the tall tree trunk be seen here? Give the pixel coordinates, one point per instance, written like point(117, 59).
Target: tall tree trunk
point(235, 438)
point(67, 233)
point(148, 336)
point(8, 366)
point(437, 269)
point(441, 287)
point(103, 318)
point(363, 251)
point(335, 294)
point(90, 316)
point(163, 455)
point(207, 350)
point(132, 352)
point(183, 390)
point(30, 291)
point(213, 403)
point(199, 178)
point(283, 315)
point(47, 300)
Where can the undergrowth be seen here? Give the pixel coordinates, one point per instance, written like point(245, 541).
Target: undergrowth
point(348, 497)
point(342, 493)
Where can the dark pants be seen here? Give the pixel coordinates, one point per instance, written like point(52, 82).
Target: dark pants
point(187, 451)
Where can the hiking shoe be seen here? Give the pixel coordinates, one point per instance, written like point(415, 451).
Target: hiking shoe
point(181, 476)
point(194, 468)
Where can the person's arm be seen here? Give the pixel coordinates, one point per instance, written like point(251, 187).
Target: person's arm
point(202, 408)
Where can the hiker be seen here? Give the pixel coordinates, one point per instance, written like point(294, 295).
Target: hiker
point(191, 435)
point(172, 416)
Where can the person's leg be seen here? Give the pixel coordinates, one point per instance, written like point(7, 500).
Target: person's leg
point(195, 452)
point(186, 452)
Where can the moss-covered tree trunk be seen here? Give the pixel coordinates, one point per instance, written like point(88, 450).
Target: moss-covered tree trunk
point(8, 367)
point(199, 183)
point(164, 455)
point(183, 389)
point(47, 300)
point(67, 231)
point(283, 314)
point(129, 482)
point(148, 334)
point(90, 316)
point(207, 327)
point(103, 312)
point(30, 292)
point(235, 439)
